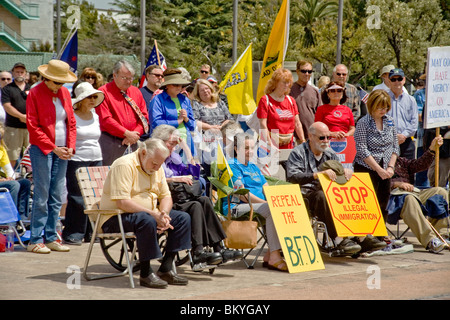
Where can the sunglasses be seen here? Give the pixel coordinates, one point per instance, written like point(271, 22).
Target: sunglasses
point(306, 71)
point(91, 77)
point(6, 79)
point(396, 79)
point(92, 97)
point(341, 74)
point(204, 72)
point(321, 138)
point(58, 83)
point(335, 90)
point(157, 75)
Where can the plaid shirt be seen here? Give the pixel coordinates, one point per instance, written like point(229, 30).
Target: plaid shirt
point(404, 168)
point(372, 142)
point(353, 100)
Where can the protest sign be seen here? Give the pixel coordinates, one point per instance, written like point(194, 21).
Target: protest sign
point(293, 228)
point(437, 106)
point(345, 149)
point(354, 206)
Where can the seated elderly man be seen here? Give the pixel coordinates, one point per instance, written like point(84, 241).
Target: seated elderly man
point(302, 167)
point(409, 203)
point(135, 184)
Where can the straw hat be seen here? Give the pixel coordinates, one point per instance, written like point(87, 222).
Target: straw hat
point(58, 71)
point(176, 78)
point(84, 90)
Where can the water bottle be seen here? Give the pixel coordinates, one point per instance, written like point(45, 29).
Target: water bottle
point(9, 240)
point(236, 186)
point(59, 229)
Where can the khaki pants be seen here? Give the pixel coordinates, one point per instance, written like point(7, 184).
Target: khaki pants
point(412, 215)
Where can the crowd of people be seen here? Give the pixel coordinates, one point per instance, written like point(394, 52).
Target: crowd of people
point(167, 133)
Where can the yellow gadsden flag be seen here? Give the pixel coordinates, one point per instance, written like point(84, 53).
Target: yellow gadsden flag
point(275, 49)
point(224, 169)
point(238, 85)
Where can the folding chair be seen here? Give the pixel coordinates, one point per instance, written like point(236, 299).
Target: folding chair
point(90, 180)
point(9, 216)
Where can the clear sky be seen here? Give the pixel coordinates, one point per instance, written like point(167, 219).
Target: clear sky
point(102, 4)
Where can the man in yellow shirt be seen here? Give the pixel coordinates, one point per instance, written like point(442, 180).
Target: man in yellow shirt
point(136, 184)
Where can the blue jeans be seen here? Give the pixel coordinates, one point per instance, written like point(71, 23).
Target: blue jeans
point(20, 193)
point(49, 174)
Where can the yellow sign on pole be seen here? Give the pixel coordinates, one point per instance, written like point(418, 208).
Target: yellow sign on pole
point(293, 228)
point(354, 206)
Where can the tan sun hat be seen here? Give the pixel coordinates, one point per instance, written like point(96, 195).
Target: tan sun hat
point(84, 90)
point(58, 71)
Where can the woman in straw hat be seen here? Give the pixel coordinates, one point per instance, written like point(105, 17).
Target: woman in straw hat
point(52, 127)
point(89, 154)
point(173, 108)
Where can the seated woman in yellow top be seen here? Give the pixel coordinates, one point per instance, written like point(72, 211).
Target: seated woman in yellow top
point(19, 189)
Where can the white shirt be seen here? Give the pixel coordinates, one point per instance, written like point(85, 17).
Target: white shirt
point(60, 124)
point(87, 146)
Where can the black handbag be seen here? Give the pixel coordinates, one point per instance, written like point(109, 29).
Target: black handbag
point(183, 192)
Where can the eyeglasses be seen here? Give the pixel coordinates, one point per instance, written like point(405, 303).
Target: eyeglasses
point(6, 79)
point(92, 97)
point(335, 90)
point(306, 71)
point(396, 79)
point(341, 74)
point(382, 108)
point(204, 71)
point(158, 75)
point(321, 138)
point(126, 78)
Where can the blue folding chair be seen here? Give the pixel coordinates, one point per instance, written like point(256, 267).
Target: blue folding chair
point(9, 216)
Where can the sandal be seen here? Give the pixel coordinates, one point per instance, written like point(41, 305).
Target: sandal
point(280, 265)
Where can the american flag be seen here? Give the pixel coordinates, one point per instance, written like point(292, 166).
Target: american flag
point(152, 59)
point(363, 95)
point(284, 114)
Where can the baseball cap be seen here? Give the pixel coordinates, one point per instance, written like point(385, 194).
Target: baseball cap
point(386, 69)
point(19, 65)
point(396, 72)
point(337, 167)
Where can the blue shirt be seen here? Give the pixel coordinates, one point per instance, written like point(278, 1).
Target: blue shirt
point(405, 114)
point(162, 110)
point(251, 177)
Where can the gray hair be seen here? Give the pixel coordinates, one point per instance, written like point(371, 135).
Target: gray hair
point(153, 145)
point(164, 132)
point(123, 63)
point(340, 65)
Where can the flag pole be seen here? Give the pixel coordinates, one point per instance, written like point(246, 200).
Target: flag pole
point(157, 53)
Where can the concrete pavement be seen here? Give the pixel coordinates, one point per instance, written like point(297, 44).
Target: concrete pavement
point(417, 275)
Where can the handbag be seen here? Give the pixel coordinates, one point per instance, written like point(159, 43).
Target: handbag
point(240, 234)
point(183, 192)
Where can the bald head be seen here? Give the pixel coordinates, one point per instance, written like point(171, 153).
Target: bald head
point(319, 137)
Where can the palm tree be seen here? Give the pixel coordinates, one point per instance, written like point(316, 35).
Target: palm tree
point(310, 11)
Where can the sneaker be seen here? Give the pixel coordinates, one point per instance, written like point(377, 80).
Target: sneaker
point(38, 248)
point(435, 245)
point(371, 243)
point(348, 246)
point(231, 255)
point(56, 246)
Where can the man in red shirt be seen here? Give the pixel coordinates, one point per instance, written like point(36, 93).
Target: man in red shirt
point(123, 114)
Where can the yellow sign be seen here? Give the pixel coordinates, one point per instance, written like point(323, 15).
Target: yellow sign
point(293, 228)
point(354, 206)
